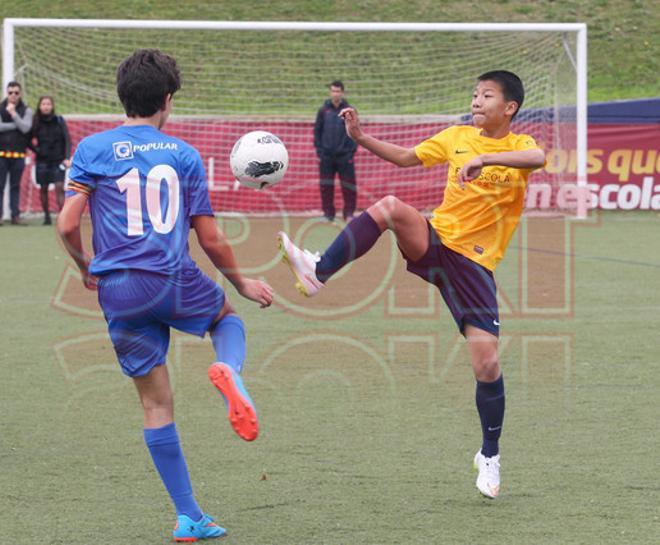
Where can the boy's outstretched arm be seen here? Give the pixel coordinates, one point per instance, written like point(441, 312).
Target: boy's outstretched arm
point(68, 227)
point(215, 246)
point(403, 157)
point(527, 159)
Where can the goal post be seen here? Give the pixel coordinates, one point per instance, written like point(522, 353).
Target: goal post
point(409, 80)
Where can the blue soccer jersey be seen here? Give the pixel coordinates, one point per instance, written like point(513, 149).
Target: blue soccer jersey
point(143, 186)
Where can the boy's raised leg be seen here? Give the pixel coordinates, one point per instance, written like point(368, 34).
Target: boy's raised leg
point(228, 337)
point(356, 239)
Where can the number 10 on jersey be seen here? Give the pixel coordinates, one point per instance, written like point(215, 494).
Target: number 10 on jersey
point(130, 184)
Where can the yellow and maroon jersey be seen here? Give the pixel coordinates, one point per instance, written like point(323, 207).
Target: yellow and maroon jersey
point(477, 221)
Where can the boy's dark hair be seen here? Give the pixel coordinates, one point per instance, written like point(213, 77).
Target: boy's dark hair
point(144, 80)
point(337, 83)
point(512, 86)
point(14, 84)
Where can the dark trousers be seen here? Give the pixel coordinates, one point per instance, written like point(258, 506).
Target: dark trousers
point(13, 167)
point(342, 165)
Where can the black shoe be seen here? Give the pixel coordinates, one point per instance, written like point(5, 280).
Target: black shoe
point(47, 221)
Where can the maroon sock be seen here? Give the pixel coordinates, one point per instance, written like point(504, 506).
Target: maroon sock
point(354, 241)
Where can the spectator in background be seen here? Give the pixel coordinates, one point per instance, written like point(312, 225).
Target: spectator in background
point(52, 146)
point(15, 126)
point(335, 151)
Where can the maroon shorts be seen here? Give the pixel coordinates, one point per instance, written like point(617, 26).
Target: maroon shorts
point(467, 287)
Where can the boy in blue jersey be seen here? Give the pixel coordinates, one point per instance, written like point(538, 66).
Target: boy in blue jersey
point(145, 190)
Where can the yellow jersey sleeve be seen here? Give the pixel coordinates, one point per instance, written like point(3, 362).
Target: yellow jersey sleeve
point(525, 142)
point(436, 149)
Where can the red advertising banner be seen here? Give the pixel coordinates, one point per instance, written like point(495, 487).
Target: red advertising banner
point(623, 168)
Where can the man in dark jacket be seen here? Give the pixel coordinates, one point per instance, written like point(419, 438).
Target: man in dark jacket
point(335, 151)
point(15, 126)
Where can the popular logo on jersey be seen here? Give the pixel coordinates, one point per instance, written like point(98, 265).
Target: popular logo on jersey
point(123, 150)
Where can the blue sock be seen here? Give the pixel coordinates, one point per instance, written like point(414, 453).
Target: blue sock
point(163, 444)
point(228, 338)
point(490, 404)
point(354, 241)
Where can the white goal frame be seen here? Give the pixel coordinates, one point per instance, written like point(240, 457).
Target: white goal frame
point(580, 60)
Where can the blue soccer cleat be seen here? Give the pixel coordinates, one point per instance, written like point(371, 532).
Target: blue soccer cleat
point(240, 409)
point(189, 531)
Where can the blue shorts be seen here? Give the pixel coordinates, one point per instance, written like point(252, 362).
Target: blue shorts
point(467, 287)
point(140, 307)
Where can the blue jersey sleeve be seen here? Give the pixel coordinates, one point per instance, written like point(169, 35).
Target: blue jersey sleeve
point(81, 179)
point(198, 192)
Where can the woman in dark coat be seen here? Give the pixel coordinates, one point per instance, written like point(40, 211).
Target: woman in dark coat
point(52, 146)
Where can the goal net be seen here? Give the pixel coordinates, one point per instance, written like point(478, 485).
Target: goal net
point(408, 82)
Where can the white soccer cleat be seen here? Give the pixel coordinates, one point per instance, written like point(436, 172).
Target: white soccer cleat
point(488, 480)
point(302, 265)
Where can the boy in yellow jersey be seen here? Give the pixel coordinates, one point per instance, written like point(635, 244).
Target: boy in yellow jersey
point(462, 244)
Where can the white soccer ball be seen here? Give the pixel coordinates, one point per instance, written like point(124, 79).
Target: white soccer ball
point(259, 159)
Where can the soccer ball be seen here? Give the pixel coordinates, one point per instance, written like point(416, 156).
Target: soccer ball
point(259, 159)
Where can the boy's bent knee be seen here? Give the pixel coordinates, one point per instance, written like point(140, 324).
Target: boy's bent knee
point(389, 203)
point(388, 209)
point(224, 311)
